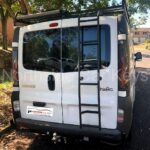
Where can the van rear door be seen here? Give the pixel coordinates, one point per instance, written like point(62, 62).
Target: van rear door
point(108, 72)
point(40, 72)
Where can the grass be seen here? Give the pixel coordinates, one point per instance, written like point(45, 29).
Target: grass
point(5, 104)
point(142, 46)
point(6, 86)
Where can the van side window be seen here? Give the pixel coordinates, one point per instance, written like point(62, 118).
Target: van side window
point(41, 50)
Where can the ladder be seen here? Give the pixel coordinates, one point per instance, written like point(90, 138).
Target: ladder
point(81, 84)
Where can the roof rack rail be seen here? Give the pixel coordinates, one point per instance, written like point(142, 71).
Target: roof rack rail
point(58, 14)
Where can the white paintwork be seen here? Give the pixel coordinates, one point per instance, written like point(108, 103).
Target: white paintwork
point(15, 44)
point(68, 95)
point(15, 88)
point(122, 37)
point(89, 93)
point(122, 93)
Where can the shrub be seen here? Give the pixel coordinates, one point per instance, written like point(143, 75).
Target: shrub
point(147, 41)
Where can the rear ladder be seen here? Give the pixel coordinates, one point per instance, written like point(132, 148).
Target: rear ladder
point(80, 62)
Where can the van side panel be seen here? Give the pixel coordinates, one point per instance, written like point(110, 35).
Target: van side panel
point(125, 49)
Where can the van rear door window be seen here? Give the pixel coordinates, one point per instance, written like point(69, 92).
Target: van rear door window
point(70, 49)
point(41, 50)
point(89, 50)
point(46, 51)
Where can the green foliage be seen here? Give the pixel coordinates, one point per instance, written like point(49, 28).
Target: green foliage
point(138, 21)
point(6, 85)
point(16, 7)
point(44, 5)
point(147, 41)
point(148, 47)
point(139, 6)
point(70, 5)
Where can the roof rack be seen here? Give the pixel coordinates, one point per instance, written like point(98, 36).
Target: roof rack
point(59, 14)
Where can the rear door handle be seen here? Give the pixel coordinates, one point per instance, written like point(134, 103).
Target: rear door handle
point(100, 78)
point(81, 78)
point(51, 82)
point(39, 104)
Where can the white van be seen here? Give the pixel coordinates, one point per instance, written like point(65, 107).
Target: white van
point(74, 74)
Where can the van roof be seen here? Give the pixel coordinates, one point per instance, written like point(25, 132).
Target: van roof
point(60, 14)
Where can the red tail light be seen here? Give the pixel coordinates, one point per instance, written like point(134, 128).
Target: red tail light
point(55, 24)
point(15, 70)
point(122, 73)
point(120, 116)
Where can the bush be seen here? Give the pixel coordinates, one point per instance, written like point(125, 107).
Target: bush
point(6, 85)
point(148, 47)
point(147, 41)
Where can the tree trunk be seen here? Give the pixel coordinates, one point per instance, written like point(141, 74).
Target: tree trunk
point(5, 5)
point(25, 7)
point(4, 32)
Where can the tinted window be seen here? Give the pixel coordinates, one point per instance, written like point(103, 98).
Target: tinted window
point(70, 49)
point(89, 50)
point(45, 51)
point(105, 45)
point(89, 34)
point(42, 50)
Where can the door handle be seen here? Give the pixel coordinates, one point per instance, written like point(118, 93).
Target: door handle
point(81, 78)
point(100, 78)
point(39, 104)
point(51, 82)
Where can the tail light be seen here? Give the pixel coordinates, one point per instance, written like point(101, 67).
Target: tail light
point(15, 69)
point(122, 73)
point(120, 116)
point(54, 24)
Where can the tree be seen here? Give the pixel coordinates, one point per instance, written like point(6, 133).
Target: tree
point(25, 7)
point(8, 9)
point(45, 5)
point(5, 12)
point(139, 6)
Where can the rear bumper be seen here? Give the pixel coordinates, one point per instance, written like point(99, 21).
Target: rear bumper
point(108, 135)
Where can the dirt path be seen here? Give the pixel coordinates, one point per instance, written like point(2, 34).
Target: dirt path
point(16, 141)
point(9, 139)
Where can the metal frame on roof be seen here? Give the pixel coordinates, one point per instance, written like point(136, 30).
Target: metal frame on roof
point(58, 14)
